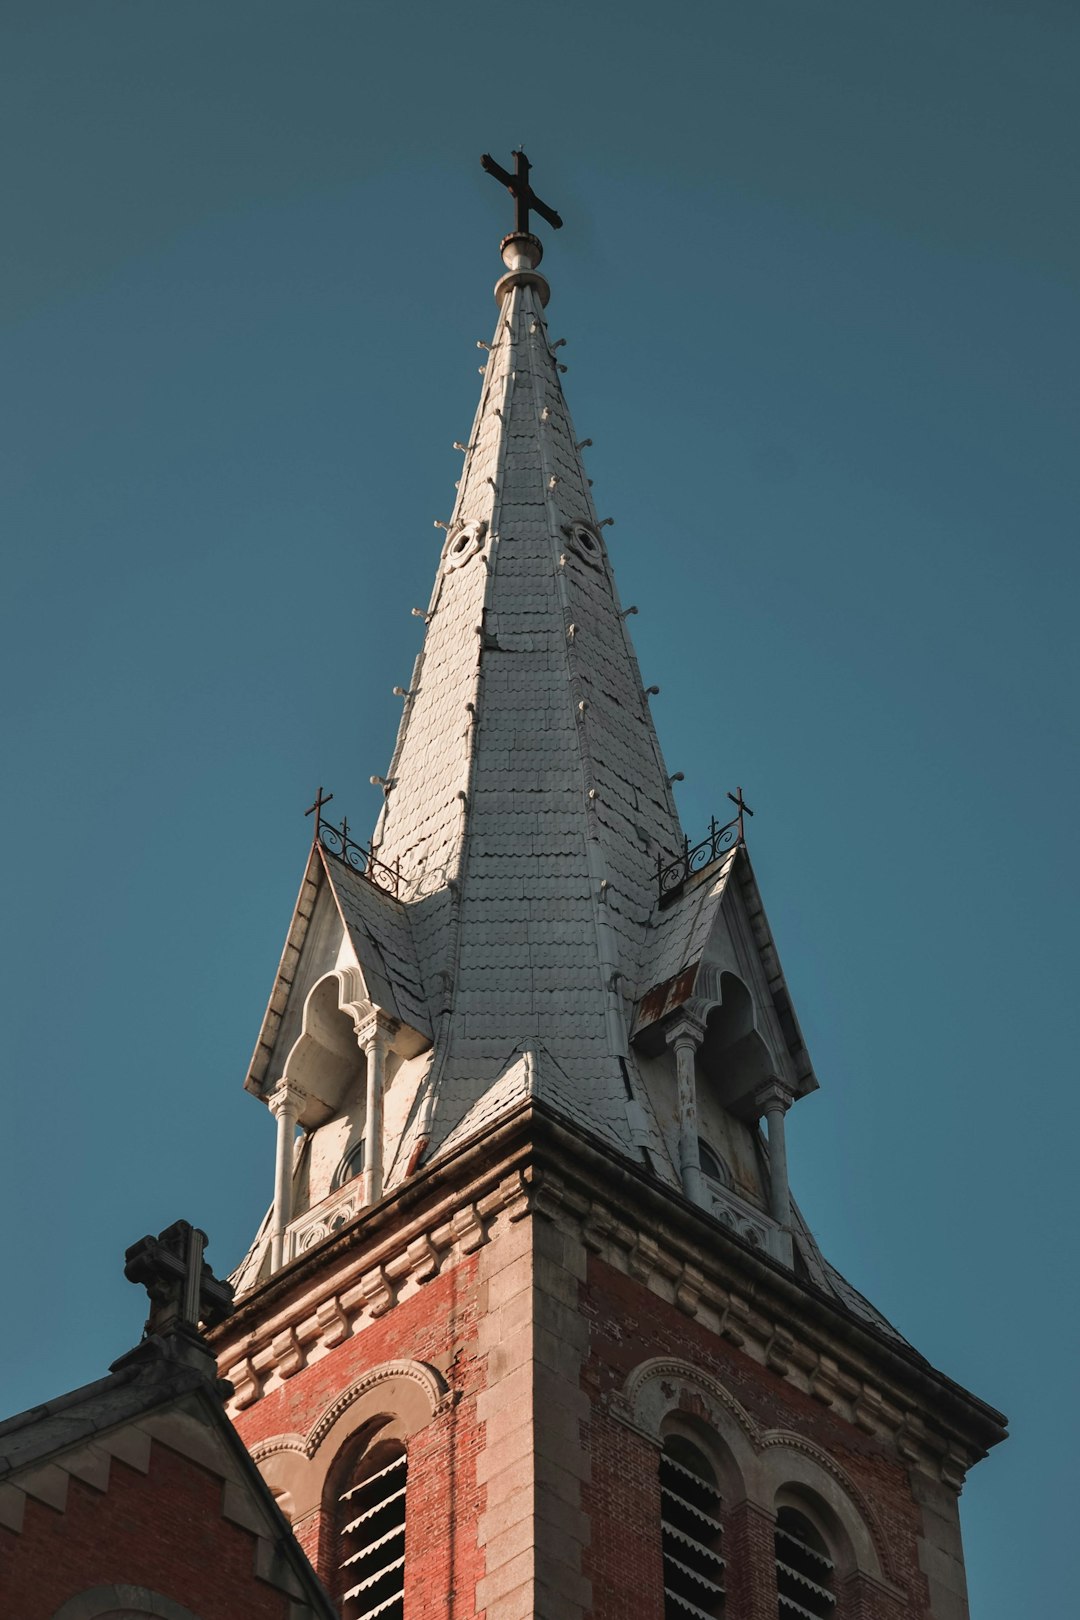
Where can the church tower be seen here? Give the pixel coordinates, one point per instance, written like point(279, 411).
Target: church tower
point(534, 1329)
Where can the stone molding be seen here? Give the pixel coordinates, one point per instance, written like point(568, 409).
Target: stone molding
point(430, 1381)
point(706, 1273)
point(351, 1296)
point(405, 1395)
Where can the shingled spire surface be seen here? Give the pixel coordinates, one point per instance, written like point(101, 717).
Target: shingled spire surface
point(509, 941)
point(527, 796)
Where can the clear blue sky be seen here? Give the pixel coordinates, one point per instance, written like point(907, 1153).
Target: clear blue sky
point(819, 280)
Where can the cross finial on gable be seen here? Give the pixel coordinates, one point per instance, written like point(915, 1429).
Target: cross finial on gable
point(316, 810)
point(183, 1290)
point(742, 809)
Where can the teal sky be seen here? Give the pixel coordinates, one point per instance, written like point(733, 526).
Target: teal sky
point(819, 283)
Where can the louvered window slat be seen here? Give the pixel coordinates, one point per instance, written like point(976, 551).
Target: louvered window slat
point(689, 1541)
point(803, 1580)
point(695, 1575)
point(683, 1605)
point(372, 1568)
point(789, 1606)
point(811, 1552)
point(803, 1570)
point(671, 1465)
point(373, 1546)
point(378, 1575)
point(373, 1479)
point(699, 1513)
point(691, 1532)
point(369, 1513)
point(382, 1608)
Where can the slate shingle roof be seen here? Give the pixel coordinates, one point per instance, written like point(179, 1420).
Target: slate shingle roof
point(527, 775)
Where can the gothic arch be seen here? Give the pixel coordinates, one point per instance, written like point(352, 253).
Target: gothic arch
point(122, 1603)
point(404, 1395)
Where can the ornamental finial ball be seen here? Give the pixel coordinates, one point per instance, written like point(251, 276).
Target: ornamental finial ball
point(521, 251)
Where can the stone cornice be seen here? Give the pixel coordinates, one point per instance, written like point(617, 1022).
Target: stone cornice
point(533, 1164)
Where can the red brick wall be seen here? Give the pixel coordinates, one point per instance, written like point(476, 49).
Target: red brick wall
point(443, 1560)
point(163, 1530)
point(628, 1323)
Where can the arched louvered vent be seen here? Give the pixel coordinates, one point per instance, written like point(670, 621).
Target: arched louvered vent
point(804, 1572)
point(372, 1573)
point(692, 1534)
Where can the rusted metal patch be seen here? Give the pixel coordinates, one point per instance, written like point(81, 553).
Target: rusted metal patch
point(664, 998)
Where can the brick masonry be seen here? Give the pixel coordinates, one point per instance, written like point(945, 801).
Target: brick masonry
point(437, 1326)
point(577, 1327)
point(162, 1530)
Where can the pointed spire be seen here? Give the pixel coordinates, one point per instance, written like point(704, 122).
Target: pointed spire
point(527, 800)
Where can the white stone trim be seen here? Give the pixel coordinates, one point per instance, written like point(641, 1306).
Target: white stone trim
point(406, 1394)
point(430, 1382)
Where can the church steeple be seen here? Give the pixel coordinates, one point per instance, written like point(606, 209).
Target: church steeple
point(536, 944)
point(535, 1328)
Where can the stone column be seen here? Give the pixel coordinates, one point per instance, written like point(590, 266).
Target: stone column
point(286, 1104)
point(373, 1034)
point(773, 1100)
point(684, 1036)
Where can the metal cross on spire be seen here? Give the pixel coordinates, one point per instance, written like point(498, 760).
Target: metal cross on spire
point(525, 198)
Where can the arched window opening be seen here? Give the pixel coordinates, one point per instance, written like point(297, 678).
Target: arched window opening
point(351, 1166)
point(712, 1165)
point(804, 1571)
point(371, 1574)
point(692, 1533)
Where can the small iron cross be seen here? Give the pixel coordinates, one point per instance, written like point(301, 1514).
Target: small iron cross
point(183, 1290)
point(742, 809)
point(517, 184)
point(316, 810)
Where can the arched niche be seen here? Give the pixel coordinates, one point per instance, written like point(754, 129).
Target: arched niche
point(325, 1063)
point(390, 1402)
point(734, 1055)
point(734, 1059)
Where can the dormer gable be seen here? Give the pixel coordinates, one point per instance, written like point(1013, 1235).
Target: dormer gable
point(716, 954)
point(348, 954)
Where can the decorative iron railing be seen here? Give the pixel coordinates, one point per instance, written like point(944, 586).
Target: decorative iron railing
point(336, 841)
point(672, 874)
